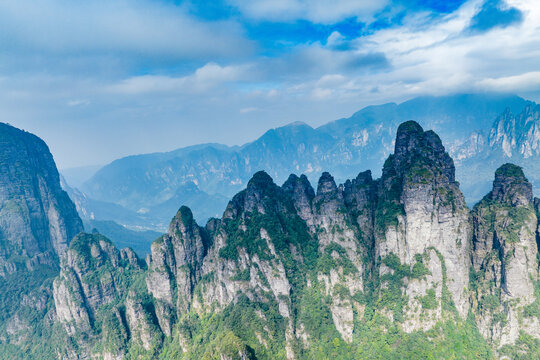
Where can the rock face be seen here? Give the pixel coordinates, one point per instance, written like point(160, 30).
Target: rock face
point(177, 258)
point(517, 134)
point(37, 218)
point(422, 222)
point(396, 267)
point(505, 258)
point(97, 299)
point(37, 221)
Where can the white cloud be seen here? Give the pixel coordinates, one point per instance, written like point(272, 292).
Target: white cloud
point(203, 79)
point(522, 82)
point(114, 28)
point(318, 11)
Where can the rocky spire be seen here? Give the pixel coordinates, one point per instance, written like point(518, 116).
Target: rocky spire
point(505, 255)
point(259, 187)
point(421, 214)
point(175, 269)
point(416, 147)
point(326, 185)
point(511, 186)
point(299, 189)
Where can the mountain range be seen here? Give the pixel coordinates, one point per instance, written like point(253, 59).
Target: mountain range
point(481, 132)
point(397, 267)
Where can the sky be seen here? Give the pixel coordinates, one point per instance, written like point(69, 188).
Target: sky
point(101, 79)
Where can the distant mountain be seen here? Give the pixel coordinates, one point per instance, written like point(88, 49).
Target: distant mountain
point(76, 176)
point(152, 217)
point(123, 237)
point(146, 183)
point(514, 136)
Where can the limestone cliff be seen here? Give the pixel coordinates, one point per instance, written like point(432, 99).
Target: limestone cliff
point(505, 258)
point(37, 221)
point(422, 224)
point(37, 218)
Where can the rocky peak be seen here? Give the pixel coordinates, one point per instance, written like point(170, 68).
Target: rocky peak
point(408, 138)
point(327, 185)
point(416, 149)
point(361, 191)
point(260, 188)
point(300, 190)
point(505, 251)
point(299, 185)
point(511, 186)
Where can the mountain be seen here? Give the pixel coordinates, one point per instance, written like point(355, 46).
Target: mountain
point(144, 182)
point(121, 224)
point(397, 267)
point(37, 222)
point(76, 176)
point(514, 137)
point(122, 237)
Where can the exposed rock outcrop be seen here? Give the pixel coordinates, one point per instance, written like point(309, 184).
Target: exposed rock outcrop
point(37, 218)
point(98, 293)
point(505, 258)
point(422, 222)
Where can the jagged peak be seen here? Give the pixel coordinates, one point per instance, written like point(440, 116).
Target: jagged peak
point(511, 186)
point(326, 184)
point(298, 183)
point(291, 180)
point(364, 177)
point(86, 249)
point(183, 222)
point(260, 181)
point(418, 149)
point(259, 187)
point(411, 138)
point(511, 171)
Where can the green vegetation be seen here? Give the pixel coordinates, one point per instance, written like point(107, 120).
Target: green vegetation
point(510, 170)
point(327, 261)
point(429, 301)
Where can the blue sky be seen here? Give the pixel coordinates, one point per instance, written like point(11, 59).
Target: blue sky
point(100, 79)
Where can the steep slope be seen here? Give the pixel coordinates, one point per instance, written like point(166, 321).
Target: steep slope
point(37, 221)
point(422, 225)
point(99, 296)
point(362, 141)
point(505, 259)
point(37, 218)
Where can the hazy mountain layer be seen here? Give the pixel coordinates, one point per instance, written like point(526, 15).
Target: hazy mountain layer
point(144, 183)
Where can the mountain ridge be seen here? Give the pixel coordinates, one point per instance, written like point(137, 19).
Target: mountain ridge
point(364, 139)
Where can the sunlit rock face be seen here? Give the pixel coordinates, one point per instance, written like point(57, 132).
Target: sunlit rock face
point(422, 221)
point(505, 258)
